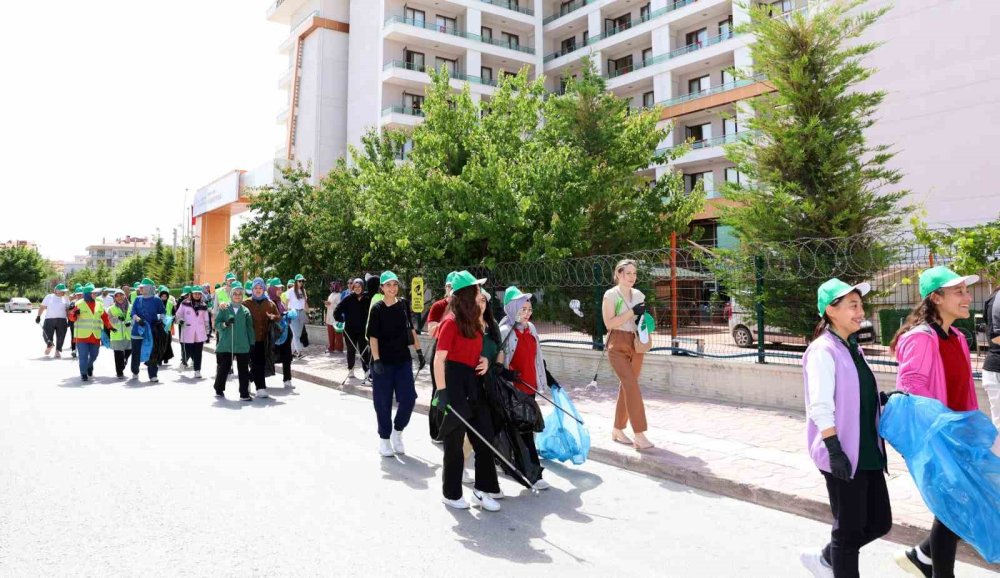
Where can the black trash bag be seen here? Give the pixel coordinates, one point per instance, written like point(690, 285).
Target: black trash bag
point(269, 353)
point(519, 407)
point(510, 444)
point(161, 350)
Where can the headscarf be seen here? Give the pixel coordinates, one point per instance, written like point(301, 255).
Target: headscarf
point(335, 286)
point(275, 294)
point(512, 309)
point(258, 281)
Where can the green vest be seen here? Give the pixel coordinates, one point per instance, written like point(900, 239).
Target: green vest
point(120, 333)
point(89, 323)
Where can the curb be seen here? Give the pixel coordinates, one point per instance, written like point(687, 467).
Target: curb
point(901, 533)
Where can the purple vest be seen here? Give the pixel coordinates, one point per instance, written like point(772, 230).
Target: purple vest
point(847, 403)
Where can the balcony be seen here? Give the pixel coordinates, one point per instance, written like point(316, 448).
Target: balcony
point(453, 31)
point(706, 145)
point(281, 10)
point(511, 5)
point(398, 109)
point(670, 55)
point(714, 90)
point(424, 78)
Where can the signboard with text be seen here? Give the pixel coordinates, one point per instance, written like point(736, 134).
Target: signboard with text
point(218, 193)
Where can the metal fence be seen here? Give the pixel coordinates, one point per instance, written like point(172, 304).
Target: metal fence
point(708, 303)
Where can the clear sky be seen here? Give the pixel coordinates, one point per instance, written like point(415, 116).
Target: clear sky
point(111, 109)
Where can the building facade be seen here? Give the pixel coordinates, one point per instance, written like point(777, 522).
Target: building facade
point(111, 254)
point(354, 65)
point(18, 243)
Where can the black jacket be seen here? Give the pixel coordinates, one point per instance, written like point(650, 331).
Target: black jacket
point(353, 312)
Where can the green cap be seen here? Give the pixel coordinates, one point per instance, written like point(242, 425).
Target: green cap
point(248, 286)
point(77, 288)
point(274, 282)
point(291, 282)
point(937, 277)
point(513, 293)
point(299, 277)
point(147, 282)
point(236, 287)
point(88, 288)
point(450, 279)
point(60, 287)
point(386, 277)
point(197, 289)
point(463, 279)
point(835, 289)
point(135, 285)
point(229, 277)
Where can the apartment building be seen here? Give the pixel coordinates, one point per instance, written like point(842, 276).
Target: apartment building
point(356, 64)
point(18, 243)
point(111, 254)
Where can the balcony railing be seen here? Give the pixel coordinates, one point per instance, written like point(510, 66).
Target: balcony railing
point(613, 31)
point(404, 65)
point(714, 90)
point(669, 55)
point(510, 5)
point(712, 142)
point(454, 31)
point(409, 110)
point(564, 10)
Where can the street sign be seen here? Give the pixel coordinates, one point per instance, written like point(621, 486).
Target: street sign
point(417, 294)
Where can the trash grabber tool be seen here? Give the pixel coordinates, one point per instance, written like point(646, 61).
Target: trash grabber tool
point(468, 426)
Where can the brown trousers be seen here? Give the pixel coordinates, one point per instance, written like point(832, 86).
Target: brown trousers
point(627, 365)
point(335, 341)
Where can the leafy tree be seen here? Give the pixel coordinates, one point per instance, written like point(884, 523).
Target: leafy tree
point(809, 171)
point(130, 270)
point(100, 276)
point(974, 249)
point(21, 269)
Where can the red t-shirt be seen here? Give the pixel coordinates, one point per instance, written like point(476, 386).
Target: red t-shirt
point(523, 360)
point(957, 372)
point(436, 312)
point(460, 349)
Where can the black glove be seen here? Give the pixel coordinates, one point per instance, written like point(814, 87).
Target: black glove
point(38, 319)
point(441, 400)
point(421, 360)
point(141, 322)
point(509, 374)
point(228, 323)
point(884, 397)
point(128, 324)
point(377, 367)
point(639, 309)
point(840, 465)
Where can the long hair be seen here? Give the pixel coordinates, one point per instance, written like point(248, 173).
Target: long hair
point(925, 312)
point(490, 323)
point(301, 293)
point(463, 305)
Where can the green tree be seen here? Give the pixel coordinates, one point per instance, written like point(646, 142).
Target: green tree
point(21, 269)
point(132, 269)
point(100, 276)
point(809, 172)
point(973, 249)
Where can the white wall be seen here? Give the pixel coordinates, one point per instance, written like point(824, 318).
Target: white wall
point(364, 88)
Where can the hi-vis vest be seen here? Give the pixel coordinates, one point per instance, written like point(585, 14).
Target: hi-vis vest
point(118, 320)
point(89, 323)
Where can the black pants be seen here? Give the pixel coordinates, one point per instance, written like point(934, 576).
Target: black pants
point(258, 357)
point(461, 382)
point(72, 343)
point(194, 351)
point(861, 514)
point(224, 363)
point(529, 442)
point(121, 361)
point(355, 344)
point(184, 353)
point(284, 352)
point(58, 326)
point(941, 546)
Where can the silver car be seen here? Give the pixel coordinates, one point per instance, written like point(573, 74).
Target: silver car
point(17, 304)
point(744, 329)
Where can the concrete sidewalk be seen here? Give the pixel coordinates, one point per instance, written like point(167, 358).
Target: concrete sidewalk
point(752, 454)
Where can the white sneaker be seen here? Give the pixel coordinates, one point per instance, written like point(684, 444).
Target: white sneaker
point(813, 561)
point(58, 354)
point(357, 374)
point(48, 349)
point(459, 504)
point(541, 485)
point(135, 376)
point(154, 380)
point(467, 478)
point(484, 501)
point(385, 448)
point(262, 392)
point(396, 439)
point(197, 375)
point(496, 496)
point(288, 385)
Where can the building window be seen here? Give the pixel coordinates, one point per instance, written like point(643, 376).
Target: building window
point(726, 27)
point(417, 17)
point(699, 132)
point(648, 100)
point(568, 45)
point(450, 66)
point(780, 7)
point(415, 60)
point(486, 74)
point(706, 179)
point(486, 34)
point(733, 176)
point(566, 7)
point(586, 37)
point(644, 12)
point(615, 25)
point(510, 40)
point(412, 103)
point(728, 77)
point(698, 37)
point(729, 126)
point(646, 55)
point(620, 65)
point(699, 84)
point(446, 24)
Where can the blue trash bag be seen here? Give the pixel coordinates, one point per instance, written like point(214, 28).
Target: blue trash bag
point(168, 320)
point(948, 454)
point(563, 438)
point(105, 340)
point(283, 324)
point(146, 334)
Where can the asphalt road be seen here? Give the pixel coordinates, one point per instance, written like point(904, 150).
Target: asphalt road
point(118, 478)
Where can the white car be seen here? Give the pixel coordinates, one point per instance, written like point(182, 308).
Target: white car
point(744, 329)
point(17, 304)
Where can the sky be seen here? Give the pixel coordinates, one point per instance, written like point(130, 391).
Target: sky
point(111, 109)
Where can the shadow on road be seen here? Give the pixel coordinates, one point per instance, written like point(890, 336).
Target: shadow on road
point(412, 471)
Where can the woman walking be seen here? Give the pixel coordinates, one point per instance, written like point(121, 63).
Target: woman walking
point(523, 356)
point(282, 339)
point(147, 317)
point(263, 313)
point(89, 321)
point(120, 315)
point(169, 306)
point(353, 313)
point(193, 322)
point(298, 301)
point(934, 362)
point(334, 339)
point(390, 336)
point(622, 308)
point(842, 406)
point(236, 337)
point(458, 367)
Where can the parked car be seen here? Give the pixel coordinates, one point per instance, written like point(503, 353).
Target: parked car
point(744, 329)
point(17, 304)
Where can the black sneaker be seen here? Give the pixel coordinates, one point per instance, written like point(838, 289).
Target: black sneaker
point(908, 561)
point(90, 372)
point(84, 378)
point(247, 398)
point(219, 394)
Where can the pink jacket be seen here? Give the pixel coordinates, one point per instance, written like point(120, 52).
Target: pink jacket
point(195, 328)
point(921, 370)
